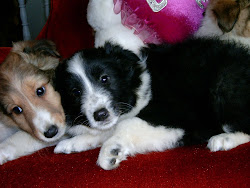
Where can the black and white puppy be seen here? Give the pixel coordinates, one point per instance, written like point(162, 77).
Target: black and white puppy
point(188, 93)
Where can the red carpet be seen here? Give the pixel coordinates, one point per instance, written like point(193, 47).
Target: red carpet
point(192, 166)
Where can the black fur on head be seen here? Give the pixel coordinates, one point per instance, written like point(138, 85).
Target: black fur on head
point(110, 73)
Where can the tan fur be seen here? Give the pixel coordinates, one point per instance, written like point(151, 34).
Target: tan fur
point(232, 15)
point(227, 19)
point(242, 27)
point(226, 13)
point(30, 65)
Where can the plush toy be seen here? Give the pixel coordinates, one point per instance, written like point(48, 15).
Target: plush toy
point(108, 27)
point(134, 23)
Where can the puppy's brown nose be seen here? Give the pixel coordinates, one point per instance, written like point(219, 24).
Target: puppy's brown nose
point(51, 132)
point(101, 115)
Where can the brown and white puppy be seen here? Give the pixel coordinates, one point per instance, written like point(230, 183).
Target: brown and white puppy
point(228, 19)
point(31, 114)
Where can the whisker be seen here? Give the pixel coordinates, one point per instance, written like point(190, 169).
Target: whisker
point(78, 117)
point(126, 104)
point(123, 107)
point(85, 123)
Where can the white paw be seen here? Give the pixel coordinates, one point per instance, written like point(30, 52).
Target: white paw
point(227, 141)
point(7, 153)
point(111, 155)
point(72, 145)
point(67, 146)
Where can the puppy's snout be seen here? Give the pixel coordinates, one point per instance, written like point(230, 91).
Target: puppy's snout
point(101, 115)
point(51, 132)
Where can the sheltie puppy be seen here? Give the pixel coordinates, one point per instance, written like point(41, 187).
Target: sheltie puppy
point(229, 19)
point(31, 114)
point(193, 92)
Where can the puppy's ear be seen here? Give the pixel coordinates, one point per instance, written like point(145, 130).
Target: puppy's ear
point(40, 53)
point(42, 48)
point(244, 4)
point(120, 53)
point(227, 14)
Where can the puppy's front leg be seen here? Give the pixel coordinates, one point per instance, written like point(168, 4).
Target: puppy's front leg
point(18, 145)
point(136, 136)
point(82, 142)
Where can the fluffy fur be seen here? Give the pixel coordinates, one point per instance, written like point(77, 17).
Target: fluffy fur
point(181, 94)
point(229, 19)
point(31, 114)
point(108, 27)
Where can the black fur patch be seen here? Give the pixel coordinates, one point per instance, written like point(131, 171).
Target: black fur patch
point(120, 66)
point(198, 85)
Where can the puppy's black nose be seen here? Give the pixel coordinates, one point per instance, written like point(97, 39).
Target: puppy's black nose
point(101, 115)
point(51, 132)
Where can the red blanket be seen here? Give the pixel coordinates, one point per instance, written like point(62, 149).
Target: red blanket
point(192, 167)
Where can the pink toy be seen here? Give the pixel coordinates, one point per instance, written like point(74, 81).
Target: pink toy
point(157, 21)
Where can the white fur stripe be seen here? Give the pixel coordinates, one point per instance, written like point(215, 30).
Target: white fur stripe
point(94, 98)
point(77, 69)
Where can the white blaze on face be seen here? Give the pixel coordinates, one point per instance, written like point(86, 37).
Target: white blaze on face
point(94, 98)
point(43, 121)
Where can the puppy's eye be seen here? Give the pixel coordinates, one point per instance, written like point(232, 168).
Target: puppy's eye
point(17, 110)
point(104, 79)
point(40, 91)
point(76, 92)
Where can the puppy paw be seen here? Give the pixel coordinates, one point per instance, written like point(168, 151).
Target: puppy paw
point(111, 155)
point(7, 153)
point(67, 146)
point(73, 145)
point(227, 141)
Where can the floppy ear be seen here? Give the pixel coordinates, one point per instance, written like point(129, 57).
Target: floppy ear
point(40, 53)
point(120, 53)
point(244, 4)
point(42, 48)
point(227, 14)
